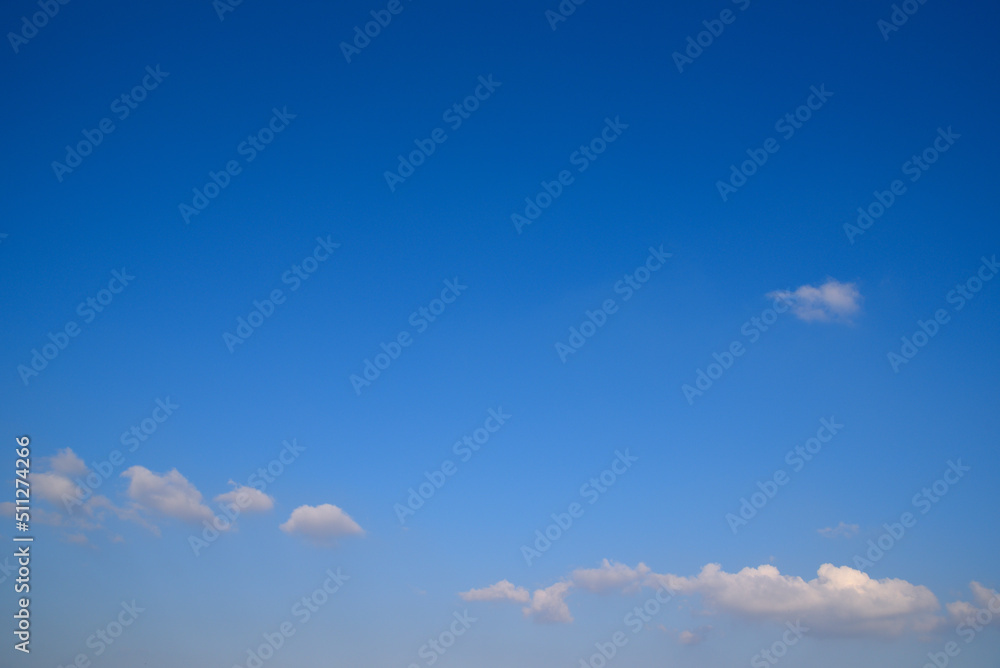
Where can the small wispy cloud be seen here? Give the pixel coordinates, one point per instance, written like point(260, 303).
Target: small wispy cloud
point(832, 301)
point(842, 530)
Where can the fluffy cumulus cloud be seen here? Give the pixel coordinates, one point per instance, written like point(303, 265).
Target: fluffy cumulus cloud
point(65, 462)
point(321, 522)
point(56, 483)
point(169, 494)
point(840, 601)
point(832, 301)
point(549, 605)
point(62, 481)
point(842, 530)
point(611, 576)
point(247, 499)
point(53, 487)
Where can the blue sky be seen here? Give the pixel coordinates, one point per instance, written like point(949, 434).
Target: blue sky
point(462, 311)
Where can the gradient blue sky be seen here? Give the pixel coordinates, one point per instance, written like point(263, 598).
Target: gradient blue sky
point(323, 176)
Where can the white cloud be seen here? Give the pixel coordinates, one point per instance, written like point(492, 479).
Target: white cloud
point(609, 577)
point(321, 522)
point(501, 591)
point(65, 462)
point(549, 604)
point(842, 530)
point(247, 499)
point(839, 601)
point(169, 494)
point(982, 599)
point(831, 301)
point(53, 487)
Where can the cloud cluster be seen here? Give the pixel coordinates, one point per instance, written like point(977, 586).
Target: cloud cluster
point(831, 301)
point(153, 495)
point(839, 601)
point(169, 494)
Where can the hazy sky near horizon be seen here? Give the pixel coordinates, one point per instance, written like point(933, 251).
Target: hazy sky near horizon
point(504, 336)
